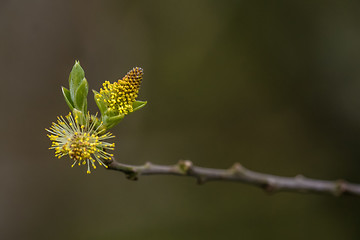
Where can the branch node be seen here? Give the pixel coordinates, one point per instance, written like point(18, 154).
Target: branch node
point(299, 177)
point(132, 176)
point(270, 183)
point(184, 166)
point(237, 169)
point(340, 187)
point(269, 186)
point(147, 165)
point(201, 180)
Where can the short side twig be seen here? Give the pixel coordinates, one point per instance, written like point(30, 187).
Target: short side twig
point(238, 173)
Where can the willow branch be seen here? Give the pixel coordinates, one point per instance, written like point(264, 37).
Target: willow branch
point(238, 173)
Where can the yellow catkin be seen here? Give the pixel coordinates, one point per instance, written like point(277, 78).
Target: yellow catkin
point(120, 96)
point(80, 143)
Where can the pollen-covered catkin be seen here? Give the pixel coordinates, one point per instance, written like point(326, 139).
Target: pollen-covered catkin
point(120, 96)
point(83, 143)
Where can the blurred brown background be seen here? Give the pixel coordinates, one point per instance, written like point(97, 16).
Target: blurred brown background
point(271, 84)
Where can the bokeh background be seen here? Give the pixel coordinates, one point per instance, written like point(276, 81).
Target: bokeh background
point(271, 84)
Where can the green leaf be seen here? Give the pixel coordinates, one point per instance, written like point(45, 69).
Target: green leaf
point(110, 122)
point(77, 74)
point(81, 93)
point(76, 77)
point(67, 97)
point(111, 118)
point(138, 104)
point(101, 104)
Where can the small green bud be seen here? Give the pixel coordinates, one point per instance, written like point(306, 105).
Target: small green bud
point(76, 96)
point(77, 75)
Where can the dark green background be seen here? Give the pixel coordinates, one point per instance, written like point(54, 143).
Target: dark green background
point(271, 84)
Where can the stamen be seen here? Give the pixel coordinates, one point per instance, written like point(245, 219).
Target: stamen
point(81, 143)
point(119, 96)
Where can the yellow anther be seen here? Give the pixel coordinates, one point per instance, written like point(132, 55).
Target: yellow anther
point(80, 146)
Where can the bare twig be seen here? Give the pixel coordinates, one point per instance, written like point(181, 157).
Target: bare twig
point(238, 173)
